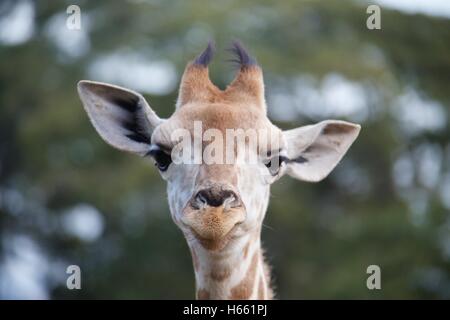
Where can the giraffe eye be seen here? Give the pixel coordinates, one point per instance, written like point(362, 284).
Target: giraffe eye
point(162, 159)
point(274, 164)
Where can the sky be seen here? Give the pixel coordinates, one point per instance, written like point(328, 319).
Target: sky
point(439, 8)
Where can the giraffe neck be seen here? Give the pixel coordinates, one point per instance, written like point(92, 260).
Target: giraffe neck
point(237, 272)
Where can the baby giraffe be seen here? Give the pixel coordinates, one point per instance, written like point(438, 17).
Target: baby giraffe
point(219, 205)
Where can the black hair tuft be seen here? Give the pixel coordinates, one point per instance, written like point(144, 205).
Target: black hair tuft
point(206, 56)
point(241, 56)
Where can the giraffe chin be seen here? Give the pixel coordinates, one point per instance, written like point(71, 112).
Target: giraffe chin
point(213, 227)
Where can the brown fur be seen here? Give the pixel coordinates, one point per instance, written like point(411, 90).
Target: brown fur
point(213, 225)
point(195, 86)
point(220, 273)
point(246, 89)
point(246, 249)
point(337, 129)
point(202, 294)
point(244, 289)
point(214, 245)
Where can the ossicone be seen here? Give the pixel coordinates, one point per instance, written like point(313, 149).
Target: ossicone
point(206, 56)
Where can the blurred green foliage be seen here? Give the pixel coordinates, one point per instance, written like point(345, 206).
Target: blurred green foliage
point(320, 238)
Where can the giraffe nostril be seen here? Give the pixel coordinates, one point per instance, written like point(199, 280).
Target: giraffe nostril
point(215, 197)
point(201, 199)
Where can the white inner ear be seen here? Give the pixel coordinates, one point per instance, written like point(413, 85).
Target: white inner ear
point(315, 150)
point(121, 117)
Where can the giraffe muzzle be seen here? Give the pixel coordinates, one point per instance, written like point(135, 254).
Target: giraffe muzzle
point(213, 212)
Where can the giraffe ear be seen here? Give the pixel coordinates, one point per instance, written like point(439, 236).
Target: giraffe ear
point(315, 150)
point(121, 117)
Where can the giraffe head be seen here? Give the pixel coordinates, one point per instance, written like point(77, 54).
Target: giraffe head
point(220, 196)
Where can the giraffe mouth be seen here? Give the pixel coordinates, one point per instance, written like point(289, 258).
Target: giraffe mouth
point(216, 244)
point(213, 224)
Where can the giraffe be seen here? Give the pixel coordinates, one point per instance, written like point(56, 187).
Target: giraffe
point(219, 207)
